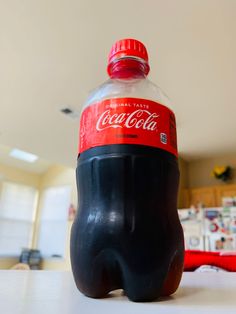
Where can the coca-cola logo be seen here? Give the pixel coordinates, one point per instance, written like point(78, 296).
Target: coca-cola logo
point(138, 119)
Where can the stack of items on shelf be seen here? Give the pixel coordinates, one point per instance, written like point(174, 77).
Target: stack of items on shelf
point(31, 257)
point(192, 223)
point(212, 230)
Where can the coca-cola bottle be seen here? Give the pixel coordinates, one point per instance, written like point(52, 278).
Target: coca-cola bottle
point(127, 233)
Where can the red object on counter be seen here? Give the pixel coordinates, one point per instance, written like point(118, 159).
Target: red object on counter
point(195, 259)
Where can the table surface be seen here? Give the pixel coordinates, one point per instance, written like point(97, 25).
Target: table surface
point(53, 292)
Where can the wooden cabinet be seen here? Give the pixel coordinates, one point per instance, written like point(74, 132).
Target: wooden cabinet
point(183, 198)
point(207, 196)
point(225, 191)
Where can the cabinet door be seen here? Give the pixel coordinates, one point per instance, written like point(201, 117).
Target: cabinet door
point(204, 196)
point(225, 191)
point(184, 199)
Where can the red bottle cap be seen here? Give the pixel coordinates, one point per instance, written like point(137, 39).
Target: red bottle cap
point(128, 48)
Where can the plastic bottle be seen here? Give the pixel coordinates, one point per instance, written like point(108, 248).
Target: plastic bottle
point(127, 233)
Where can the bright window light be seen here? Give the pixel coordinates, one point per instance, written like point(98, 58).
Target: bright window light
point(20, 154)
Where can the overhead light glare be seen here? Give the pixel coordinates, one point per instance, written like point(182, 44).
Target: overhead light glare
point(22, 155)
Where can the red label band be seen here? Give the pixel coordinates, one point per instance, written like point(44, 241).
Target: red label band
point(128, 121)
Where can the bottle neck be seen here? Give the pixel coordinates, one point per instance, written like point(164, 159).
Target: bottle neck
point(128, 68)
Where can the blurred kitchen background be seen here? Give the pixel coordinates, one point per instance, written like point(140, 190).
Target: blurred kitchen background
point(52, 53)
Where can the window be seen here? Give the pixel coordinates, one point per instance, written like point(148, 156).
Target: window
point(53, 221)
point(17, 214)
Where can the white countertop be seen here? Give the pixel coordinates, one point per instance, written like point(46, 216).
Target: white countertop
point(53, 292)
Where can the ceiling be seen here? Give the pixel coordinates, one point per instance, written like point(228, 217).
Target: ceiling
point(39, 166)
point(53, 52)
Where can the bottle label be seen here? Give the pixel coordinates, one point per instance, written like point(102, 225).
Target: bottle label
point(128, 121)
